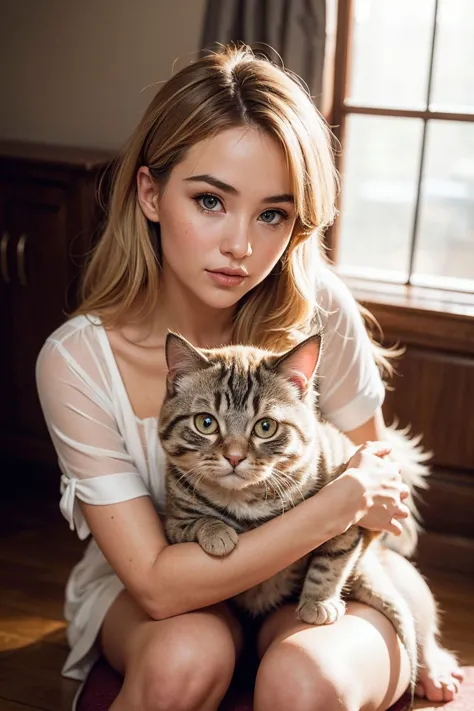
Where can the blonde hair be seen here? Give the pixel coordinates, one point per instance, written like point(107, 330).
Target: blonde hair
point(228, 88)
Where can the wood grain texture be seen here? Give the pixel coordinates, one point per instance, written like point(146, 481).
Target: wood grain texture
point(447, 506)
point(434, 392)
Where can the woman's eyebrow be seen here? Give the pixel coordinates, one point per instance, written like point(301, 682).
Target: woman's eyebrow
point(216, 183)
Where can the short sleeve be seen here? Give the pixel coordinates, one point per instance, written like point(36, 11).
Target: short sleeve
point(350, 386)
point(78, 409)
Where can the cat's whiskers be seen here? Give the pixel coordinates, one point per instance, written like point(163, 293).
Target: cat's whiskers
point(195, 472)
point(274, 482)
point(287, 483)
point(266, 490)
point(294, 483)
point(200, 478)
point(288, 499)
point(283, 478)
point(188, 472)
point(286, 486)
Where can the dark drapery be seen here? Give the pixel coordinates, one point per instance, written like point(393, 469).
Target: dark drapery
point(295, 29)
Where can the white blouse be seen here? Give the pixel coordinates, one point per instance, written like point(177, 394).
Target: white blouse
point(106, 454)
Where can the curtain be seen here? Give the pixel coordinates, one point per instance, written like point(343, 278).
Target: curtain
point(295, 29)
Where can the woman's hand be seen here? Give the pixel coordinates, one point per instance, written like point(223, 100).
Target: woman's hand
point(375, 489)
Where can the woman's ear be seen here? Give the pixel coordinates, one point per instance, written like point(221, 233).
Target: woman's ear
point(147, 194)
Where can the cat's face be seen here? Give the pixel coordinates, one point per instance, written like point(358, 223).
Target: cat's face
point(236, 417)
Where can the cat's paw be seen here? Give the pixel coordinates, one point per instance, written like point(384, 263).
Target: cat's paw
point(317, 612)
point(217, 538)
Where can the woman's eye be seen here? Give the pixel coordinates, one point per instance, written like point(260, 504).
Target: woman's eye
point(207, 202)
point(265, 428)
point(206, 424)
point(268, 216)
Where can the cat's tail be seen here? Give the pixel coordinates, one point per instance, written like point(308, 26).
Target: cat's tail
point(408, 452)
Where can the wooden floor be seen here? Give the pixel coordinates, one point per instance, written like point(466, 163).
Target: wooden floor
point(36, 553)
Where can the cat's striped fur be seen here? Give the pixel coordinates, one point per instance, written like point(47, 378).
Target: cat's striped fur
point(222, 483)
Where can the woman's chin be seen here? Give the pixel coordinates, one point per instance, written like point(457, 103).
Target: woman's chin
point(220, 301)
point(218, 297)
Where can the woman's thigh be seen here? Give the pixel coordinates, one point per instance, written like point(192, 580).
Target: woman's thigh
point(354, 664)
point(174, 663)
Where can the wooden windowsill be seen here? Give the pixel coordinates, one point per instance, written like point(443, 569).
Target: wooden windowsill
point(418, 315)
point(456, 303)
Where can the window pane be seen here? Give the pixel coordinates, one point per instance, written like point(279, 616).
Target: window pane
point(453, 68)
point(381, 165)
point(391, 46)
point(445, 246)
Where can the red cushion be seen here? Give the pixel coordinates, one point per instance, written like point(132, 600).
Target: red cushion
point(103, 685)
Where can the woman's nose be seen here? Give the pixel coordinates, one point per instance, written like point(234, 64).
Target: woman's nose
point(237, 244)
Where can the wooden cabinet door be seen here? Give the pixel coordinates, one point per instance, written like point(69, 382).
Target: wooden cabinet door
point(35, 216)
point(6, 356)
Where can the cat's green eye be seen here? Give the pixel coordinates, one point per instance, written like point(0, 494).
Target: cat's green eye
point(206, 424)
point(265, 428)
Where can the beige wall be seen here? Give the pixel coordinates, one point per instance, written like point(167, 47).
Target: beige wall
point(78, 72)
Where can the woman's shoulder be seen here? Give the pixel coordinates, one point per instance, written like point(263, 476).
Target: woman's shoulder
point(331, 291)
point(82, 324)
point(335, 309)
point(71, 344)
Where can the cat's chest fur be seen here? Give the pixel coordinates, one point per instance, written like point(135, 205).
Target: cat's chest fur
point(248, 509)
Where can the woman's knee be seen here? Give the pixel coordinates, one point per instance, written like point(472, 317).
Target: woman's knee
point(185, 679)
point(181, 671)
point(291, 678)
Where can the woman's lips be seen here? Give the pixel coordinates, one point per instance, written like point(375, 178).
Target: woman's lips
point(226, 279)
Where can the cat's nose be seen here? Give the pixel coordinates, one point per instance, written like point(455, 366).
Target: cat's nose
point(234, 459)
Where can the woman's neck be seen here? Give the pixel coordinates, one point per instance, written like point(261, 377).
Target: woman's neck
point(178, 311)
point(202, 326)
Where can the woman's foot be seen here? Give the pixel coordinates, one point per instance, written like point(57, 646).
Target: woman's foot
point(439, 676)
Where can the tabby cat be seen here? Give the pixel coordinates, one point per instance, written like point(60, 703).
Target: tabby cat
point(244, 442)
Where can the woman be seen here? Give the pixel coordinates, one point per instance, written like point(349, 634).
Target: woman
point(214, 229)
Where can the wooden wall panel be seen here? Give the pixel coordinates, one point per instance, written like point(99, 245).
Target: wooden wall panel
point(448, 553)
point(447, 506)
point(434, 391)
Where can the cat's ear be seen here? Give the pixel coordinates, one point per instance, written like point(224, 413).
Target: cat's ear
point(300, 364)
point(181, 358)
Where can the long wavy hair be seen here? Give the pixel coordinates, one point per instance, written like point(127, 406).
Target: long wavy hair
point(227, 88)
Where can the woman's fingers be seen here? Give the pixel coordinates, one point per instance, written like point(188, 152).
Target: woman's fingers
point(380, 449)
point(393, 504)
point(402, 511)
point(394, 527)
point(396, 486)
point(405, 492)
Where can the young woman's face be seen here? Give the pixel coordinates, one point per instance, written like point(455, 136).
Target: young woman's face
point(227, 206)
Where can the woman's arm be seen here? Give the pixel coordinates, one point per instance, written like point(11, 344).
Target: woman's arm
point(371, 431)
point(168, 580)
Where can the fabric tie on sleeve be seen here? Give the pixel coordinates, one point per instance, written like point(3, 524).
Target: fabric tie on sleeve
point(101, 490)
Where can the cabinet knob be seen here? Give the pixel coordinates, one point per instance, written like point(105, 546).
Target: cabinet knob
point(20, 259)
point(3, 257)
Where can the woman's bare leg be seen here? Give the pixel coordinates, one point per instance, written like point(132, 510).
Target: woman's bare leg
point(184, 663)
point(439, 675)
point(356, 664)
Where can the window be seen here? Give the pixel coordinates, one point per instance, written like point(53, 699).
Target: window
point(403, 110)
